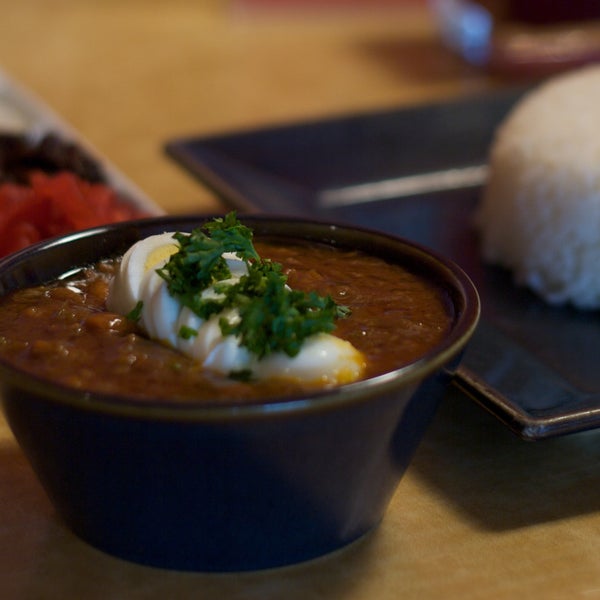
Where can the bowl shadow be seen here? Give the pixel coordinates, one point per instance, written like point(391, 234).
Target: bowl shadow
point(500, 481)
point(46, 569)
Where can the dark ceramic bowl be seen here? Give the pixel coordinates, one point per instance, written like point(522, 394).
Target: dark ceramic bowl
point(230, 488)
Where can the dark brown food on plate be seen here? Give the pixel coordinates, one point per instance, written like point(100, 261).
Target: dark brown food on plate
point(19, 155)
point(63, 331)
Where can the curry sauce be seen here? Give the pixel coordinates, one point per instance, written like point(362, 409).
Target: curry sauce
point(63, 331)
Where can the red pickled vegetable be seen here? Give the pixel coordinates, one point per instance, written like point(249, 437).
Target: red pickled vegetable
point(53, 204)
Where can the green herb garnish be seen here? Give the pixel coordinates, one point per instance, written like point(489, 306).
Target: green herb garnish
point(199, 262)
point(187, 333)
point(272, 316)
point(135, 314)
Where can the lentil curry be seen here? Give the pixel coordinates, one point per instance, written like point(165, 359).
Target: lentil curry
point(63, 331)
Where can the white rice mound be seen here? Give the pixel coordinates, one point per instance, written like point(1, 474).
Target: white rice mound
point(540, 211)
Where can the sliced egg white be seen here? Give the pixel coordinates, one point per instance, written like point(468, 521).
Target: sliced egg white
point(144, 256)
point(323, 358)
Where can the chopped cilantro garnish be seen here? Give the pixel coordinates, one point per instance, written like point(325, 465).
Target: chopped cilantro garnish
point(187, 332)
point(136, 312)
point(273, 317)
point(199, 262)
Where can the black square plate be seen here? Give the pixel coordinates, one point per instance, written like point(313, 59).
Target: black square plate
point(417, 172)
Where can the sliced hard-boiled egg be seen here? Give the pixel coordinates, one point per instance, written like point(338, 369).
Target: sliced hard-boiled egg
point(323, 358)
point(160, 311)
point(143, 257)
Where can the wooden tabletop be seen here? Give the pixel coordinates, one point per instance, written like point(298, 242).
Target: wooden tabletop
point(480, 513)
